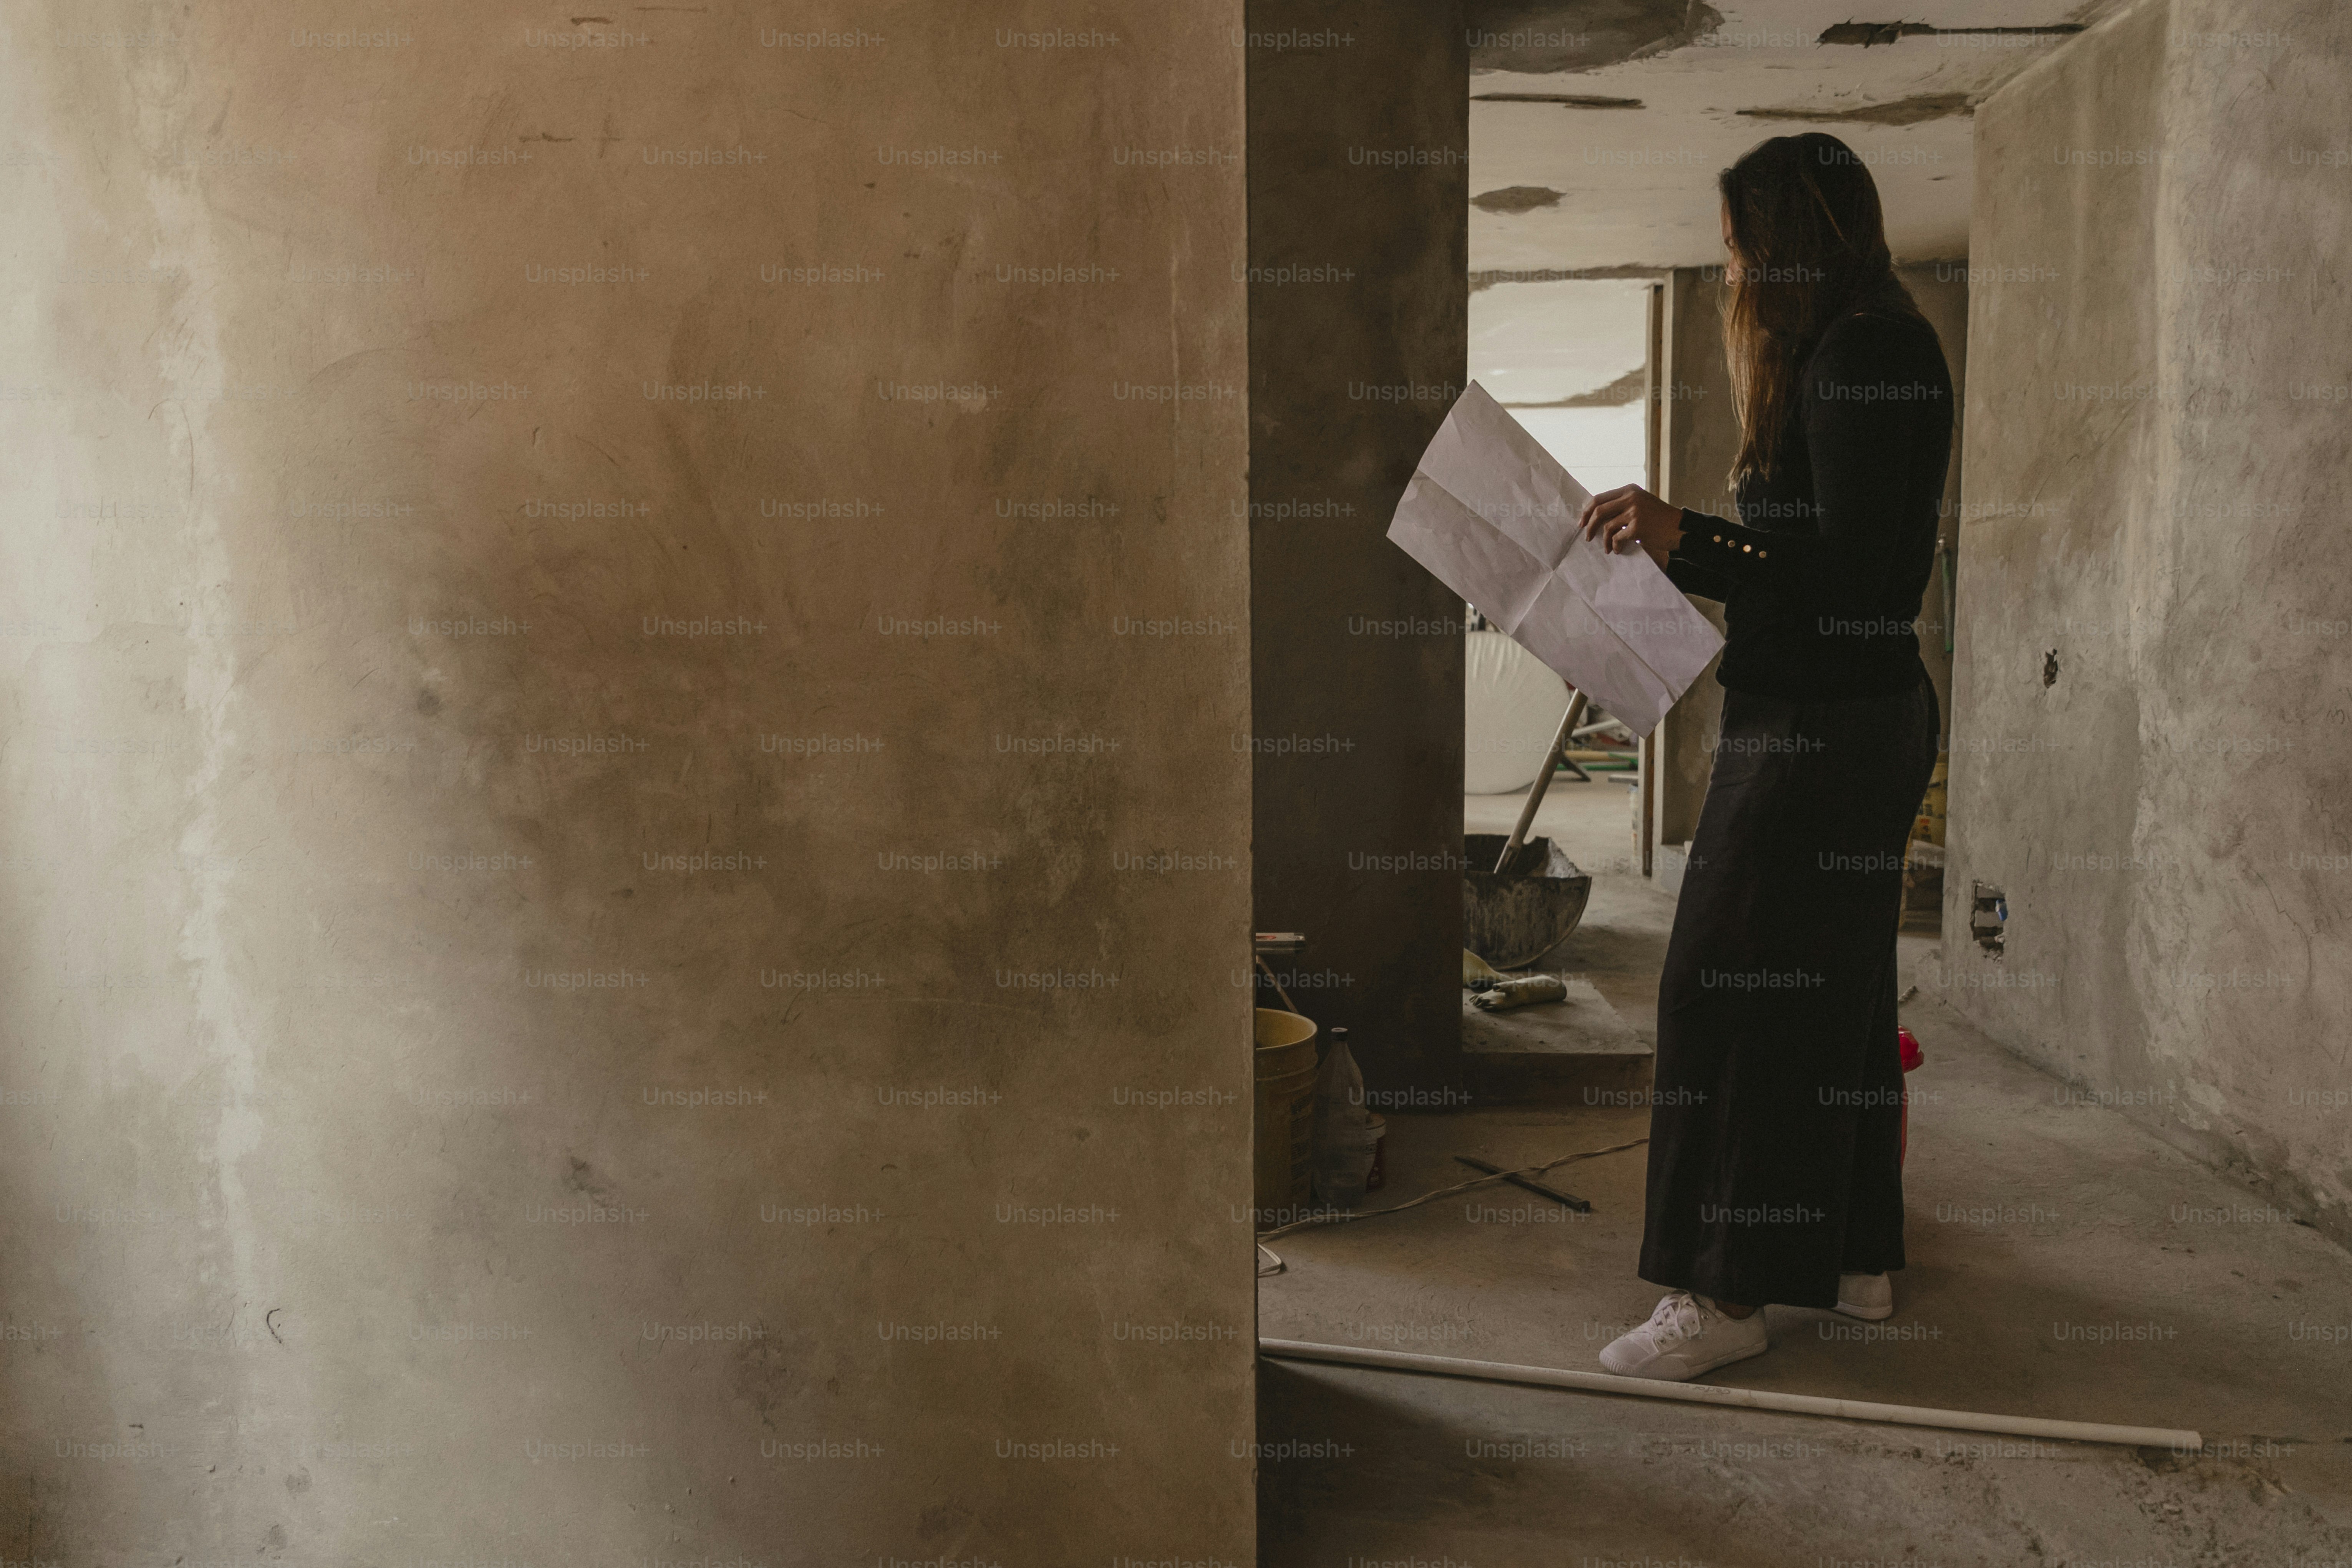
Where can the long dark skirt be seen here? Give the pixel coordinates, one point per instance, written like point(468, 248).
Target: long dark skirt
point(1775, 1137)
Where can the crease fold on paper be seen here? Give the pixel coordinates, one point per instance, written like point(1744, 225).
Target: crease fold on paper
point(1493, 516)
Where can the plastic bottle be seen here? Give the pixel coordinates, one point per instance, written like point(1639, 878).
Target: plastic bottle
point(1345, 1138)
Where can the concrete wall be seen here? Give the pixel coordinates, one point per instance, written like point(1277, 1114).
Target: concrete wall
point(440, 754)
point(1701, 434)
point(1700, 439)
point(1942, 291)
point(1698, 436)
point(2153, 735)
point(1359, 205)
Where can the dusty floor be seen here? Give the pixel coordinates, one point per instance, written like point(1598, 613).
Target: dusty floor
point(1622, 939)
point(2061, 1263)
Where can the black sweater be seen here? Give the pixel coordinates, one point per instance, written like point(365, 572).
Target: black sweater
point(1822, 577)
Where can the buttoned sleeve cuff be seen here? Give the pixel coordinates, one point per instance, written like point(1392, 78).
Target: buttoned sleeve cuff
point(1721, 545)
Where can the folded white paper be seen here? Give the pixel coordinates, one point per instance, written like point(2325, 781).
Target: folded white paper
point(1494, 518)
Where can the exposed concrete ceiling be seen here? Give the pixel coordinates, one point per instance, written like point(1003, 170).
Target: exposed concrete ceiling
point(1627, 108)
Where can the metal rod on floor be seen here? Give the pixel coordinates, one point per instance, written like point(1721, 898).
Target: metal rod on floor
point(1570, 1199)
point(1543, 781)
point(1747, 1398)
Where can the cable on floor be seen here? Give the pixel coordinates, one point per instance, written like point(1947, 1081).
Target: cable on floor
point(1342, 1216)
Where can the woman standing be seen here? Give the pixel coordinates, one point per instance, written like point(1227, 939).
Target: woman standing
point(1774, 1156)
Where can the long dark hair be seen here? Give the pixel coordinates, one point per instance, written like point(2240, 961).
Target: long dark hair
point(1812, 247)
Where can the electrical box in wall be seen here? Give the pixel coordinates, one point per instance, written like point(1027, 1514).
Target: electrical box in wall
point(1989, 918)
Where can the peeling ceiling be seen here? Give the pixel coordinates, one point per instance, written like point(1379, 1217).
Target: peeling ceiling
point(1597, 127)
point(1540, 36)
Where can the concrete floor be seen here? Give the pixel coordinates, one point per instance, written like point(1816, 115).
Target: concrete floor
point(2062, 1264)
point(1621, 941)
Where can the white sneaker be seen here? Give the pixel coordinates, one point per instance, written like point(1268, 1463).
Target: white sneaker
point(1866, 1296)
point(1685, 1337)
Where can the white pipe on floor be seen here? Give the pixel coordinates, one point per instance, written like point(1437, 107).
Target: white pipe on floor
point(1747, 1398)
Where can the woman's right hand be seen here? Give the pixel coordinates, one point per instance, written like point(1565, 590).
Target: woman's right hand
point(1630, 515)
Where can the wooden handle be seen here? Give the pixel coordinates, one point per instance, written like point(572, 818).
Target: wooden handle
point(1543, 781)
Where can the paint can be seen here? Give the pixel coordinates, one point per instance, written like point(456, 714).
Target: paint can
point(1283, 1125)
point(1908, 1044)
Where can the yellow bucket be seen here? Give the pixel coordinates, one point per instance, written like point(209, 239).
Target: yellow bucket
point(1284, 1123)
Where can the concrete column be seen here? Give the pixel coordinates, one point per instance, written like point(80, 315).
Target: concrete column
point(1358, 207)
point(1700, 439)
point(1699, 434)
point(620, 819)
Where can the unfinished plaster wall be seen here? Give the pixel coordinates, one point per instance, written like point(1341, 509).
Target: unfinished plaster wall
point(1701, 439)
point(1941, 289)
point(624, 857)
point(2153, 650)
point(1701, 429)
point(1698, 438)
point(1359, 329)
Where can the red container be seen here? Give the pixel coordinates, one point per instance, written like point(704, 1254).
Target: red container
point(1912, 1058)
